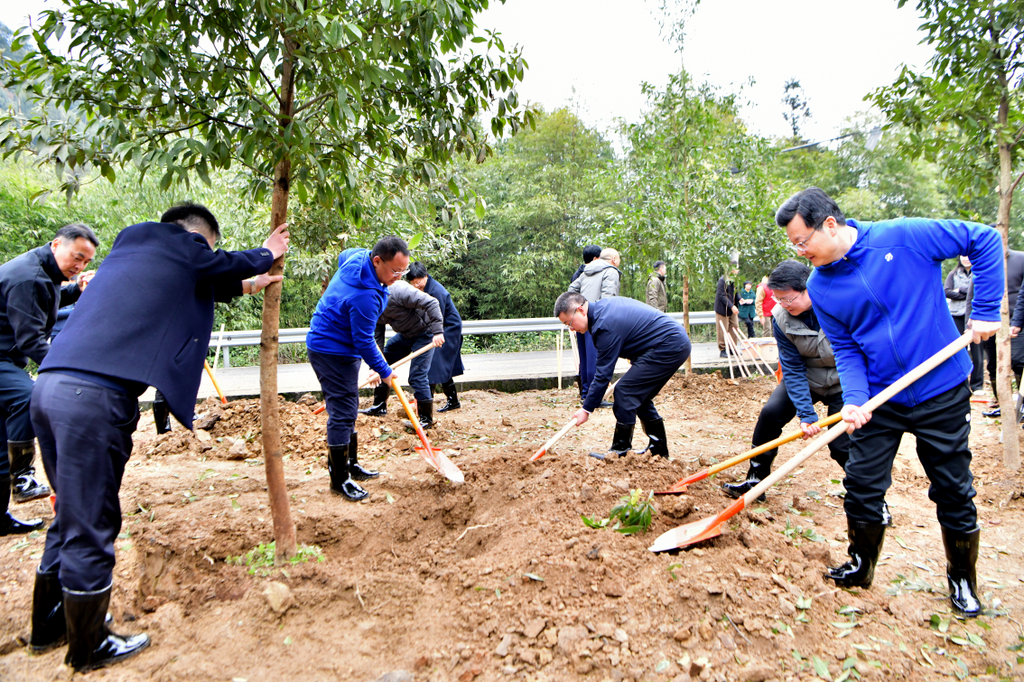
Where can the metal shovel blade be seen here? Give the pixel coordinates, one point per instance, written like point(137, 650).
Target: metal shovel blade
point(687, 534)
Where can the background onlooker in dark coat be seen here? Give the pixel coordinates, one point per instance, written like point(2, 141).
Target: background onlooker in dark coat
point(726, 312)
point(589, 253)
point(447, 362)
point(748, 314)
point(958, 288)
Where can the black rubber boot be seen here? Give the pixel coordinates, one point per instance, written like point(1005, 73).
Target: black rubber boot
point(622, 442)
point(24, 486)
point(161, 414)
point(91, 644)
point(380, 401)
point(453, 396)
point(341, 481)
point(760, 467)
point(658, 444)
point(356, 470)
point(865, 546)
point(10, 525)
point(425, 408)
point(49, 628)
point(961, 560)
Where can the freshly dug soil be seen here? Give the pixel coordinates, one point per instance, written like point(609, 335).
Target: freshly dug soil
point(498, 578)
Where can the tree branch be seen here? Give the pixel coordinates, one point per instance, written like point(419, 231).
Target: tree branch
point(1015, 183)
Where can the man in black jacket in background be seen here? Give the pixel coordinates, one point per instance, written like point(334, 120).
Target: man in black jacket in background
point(30, 294)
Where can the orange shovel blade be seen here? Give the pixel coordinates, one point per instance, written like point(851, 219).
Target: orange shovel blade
point(692, 533)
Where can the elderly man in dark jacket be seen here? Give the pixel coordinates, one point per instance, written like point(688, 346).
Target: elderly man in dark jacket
point(159, 284)
point(416, 317)
point(30, 295)
point(447, 361)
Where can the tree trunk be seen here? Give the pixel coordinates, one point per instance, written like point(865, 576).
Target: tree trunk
point(270, 419)
point(686, 318)
point(1007, 399)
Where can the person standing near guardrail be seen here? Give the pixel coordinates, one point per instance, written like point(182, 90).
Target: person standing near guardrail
point(653, 342)
point(600, 279)
point(159, 283)
point(657, 295)
point(30, 296)
point(877, 292)
point(417, 321)
point(341, 335)
point(447, 361)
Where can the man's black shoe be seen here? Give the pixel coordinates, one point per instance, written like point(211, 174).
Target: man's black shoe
point(721, 354)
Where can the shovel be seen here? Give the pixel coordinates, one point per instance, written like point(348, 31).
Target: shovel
point(564, 430)
point(411, 356)
point(705, 529)
point(680, 485)
point(209, 372)
point(433, 456)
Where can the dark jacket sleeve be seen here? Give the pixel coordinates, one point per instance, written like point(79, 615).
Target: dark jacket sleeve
point(794, 375)
point(952, 293)
point(229, 265)
point(1017, 318)
point(27, 318)
point(607, 356)
point(224, 290)
point(69, 294)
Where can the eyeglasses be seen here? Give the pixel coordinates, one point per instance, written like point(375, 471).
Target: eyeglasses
point(398, 273)
point(802, 245)
point(785, 301)
point(571, 318)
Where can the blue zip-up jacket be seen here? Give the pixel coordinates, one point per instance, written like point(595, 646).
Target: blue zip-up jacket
point(346, 315)
point(884, 310)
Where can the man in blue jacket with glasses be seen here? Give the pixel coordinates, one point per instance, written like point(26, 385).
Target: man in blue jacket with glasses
point(878, 294)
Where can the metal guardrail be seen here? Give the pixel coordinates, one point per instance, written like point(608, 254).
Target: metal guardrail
point(469, 328)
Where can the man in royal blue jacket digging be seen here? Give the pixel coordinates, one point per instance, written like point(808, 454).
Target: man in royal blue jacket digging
point(341, 335)
point(878, 294)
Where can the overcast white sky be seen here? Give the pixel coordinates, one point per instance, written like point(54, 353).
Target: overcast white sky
point(598, 52)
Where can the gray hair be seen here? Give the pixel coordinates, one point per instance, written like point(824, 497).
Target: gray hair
point(70, 233)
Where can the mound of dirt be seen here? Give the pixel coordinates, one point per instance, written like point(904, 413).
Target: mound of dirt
point(499, 577)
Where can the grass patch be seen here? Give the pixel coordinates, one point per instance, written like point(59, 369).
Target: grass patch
point(261, 559)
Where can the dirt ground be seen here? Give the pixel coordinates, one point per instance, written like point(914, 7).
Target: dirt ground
point(498, 577)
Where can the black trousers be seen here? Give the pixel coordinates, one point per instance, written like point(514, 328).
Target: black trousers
point(85, 435)
point(977, 353)
point(780, 410)
point(1016, 360)
point(942, 425)
point(339, 380)
point(634, 394)
point(15, 422)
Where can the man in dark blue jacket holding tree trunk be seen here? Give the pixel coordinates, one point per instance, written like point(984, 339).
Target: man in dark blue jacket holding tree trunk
point(653, 342)
point(877, 291)
point(146, 321)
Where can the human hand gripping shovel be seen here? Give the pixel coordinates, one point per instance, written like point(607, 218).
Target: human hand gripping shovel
point(681, 485)
point(564, 430)
point(433, 456)
point(411, 356)
point(706, 529)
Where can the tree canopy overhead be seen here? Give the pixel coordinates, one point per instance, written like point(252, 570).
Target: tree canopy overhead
point(382, 90)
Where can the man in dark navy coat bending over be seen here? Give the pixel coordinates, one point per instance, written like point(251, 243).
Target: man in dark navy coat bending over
point(146, 321)
point(655, 344)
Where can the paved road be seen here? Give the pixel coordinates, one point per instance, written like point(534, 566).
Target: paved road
point(245, 381)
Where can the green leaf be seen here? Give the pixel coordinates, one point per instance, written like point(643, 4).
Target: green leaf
point(235, 506)
point(534, 576)
point(821, 668)
point(416, 239)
